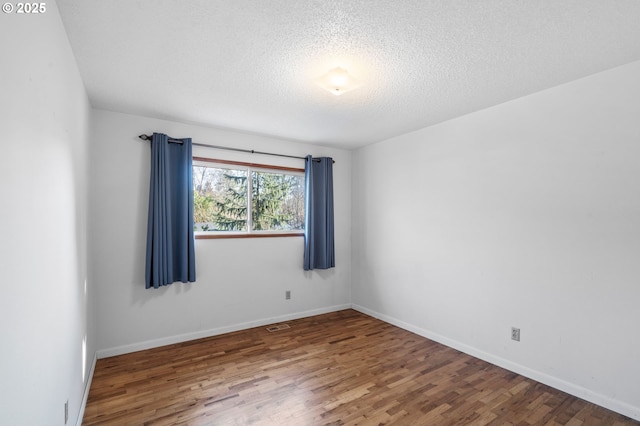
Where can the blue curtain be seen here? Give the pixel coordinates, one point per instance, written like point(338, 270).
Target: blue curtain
point(170, 242)
point(319, 249)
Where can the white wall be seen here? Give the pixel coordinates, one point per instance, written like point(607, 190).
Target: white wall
point(44, 121)
point(240, 282)
point(526, 214)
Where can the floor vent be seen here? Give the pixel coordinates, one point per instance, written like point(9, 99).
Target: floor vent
point(277, 327)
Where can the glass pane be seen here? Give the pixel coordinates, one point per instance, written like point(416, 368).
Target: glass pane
point(219, 199)
point(277, 201)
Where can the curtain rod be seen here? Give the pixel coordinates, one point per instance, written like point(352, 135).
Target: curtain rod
point(250, 151)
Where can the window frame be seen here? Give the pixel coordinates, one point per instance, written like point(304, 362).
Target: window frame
point(249, 233)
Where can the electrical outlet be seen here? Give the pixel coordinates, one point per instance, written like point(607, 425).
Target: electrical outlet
point(66, 412)
point(287, 294)
point(515, 334)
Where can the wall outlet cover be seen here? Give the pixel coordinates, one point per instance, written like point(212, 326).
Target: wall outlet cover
point(515, 334)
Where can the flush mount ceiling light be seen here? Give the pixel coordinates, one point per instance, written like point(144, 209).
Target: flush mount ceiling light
point(337, 81)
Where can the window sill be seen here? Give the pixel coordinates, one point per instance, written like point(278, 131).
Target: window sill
point(217, 236)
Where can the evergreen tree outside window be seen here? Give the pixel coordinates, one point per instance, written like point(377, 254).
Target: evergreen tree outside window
point(232, 199)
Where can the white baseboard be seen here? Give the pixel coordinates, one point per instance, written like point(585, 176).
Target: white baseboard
point(570, 388)
point(87, 387)
point(149, 344)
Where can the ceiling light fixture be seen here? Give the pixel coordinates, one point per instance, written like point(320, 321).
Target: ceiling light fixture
point(337, 81)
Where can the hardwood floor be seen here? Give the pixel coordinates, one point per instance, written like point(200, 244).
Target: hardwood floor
point(342, 368)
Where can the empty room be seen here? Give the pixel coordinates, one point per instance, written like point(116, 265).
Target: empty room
point(357, 212)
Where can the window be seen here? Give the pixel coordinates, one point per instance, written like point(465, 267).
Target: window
point(242, 199)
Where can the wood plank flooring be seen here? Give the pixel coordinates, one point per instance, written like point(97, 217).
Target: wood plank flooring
point(342, 368)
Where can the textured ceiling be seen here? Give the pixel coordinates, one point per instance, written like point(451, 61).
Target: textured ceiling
point(250, 65)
